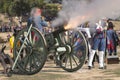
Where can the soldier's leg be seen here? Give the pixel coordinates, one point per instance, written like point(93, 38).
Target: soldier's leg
point(115, 50)
point(101, 59)
point(89, 51)
point(92, 53)
point(91, 56)
point(101, 51)
point(109, 52)
point(96, 58)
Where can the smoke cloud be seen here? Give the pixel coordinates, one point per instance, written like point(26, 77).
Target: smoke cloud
point(76, 12)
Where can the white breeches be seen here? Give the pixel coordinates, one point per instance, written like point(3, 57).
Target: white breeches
point(101, 58)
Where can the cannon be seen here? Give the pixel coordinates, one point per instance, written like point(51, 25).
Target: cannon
point(31, 48)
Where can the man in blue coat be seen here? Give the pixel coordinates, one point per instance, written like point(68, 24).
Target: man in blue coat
point(112, 39)
point(37, 19)
point(99, 44)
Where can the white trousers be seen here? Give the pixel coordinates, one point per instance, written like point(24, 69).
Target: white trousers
point(101, 58)
point(91, 56)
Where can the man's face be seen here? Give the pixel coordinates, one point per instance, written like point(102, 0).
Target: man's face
point(38, 12)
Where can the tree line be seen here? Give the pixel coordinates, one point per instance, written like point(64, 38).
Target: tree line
point(23, 7)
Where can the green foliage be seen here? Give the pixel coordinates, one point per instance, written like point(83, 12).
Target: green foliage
point(11, 10)
point(22, 7)
point(35, 3)
point(1, 6)
point(50, 10)
point(19, 7)
point(4, 5)
point(56, 1)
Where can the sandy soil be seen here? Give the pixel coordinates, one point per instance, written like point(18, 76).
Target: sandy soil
point(51, 72)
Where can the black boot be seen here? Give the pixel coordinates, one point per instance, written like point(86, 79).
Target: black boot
point(101, 67)
point(115, 54)
point(89, 67)
point(110, 54)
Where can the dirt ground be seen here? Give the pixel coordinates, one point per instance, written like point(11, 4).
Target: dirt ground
point(51, 72)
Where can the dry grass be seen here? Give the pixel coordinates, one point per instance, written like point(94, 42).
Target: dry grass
point(40, 76)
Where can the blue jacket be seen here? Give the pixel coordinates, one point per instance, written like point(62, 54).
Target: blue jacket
point(38, 22)
point(112, 37)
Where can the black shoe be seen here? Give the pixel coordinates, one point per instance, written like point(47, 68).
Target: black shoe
point(89, 67)
point(115, 54)
point(110, 54)
point(101, 67)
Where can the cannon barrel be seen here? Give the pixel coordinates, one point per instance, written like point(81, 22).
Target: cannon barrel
point(60, 30)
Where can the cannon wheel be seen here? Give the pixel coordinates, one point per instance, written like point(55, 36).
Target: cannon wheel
point(34, 52)
point(72, 60)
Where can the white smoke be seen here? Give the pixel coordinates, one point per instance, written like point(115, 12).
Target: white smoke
point(76, 12)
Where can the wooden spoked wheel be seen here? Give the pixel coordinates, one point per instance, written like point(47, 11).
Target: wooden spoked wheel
point(75, 55)
point(33, 53)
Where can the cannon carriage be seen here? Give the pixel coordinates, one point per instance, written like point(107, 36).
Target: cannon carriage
point(31, 48)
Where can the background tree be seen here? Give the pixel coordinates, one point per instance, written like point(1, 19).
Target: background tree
point(4, 5)
point(50, 11)
point(23, 7)
point(19, 7)
point(1, 6)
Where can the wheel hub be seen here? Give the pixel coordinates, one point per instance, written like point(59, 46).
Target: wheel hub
point(69, 48)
